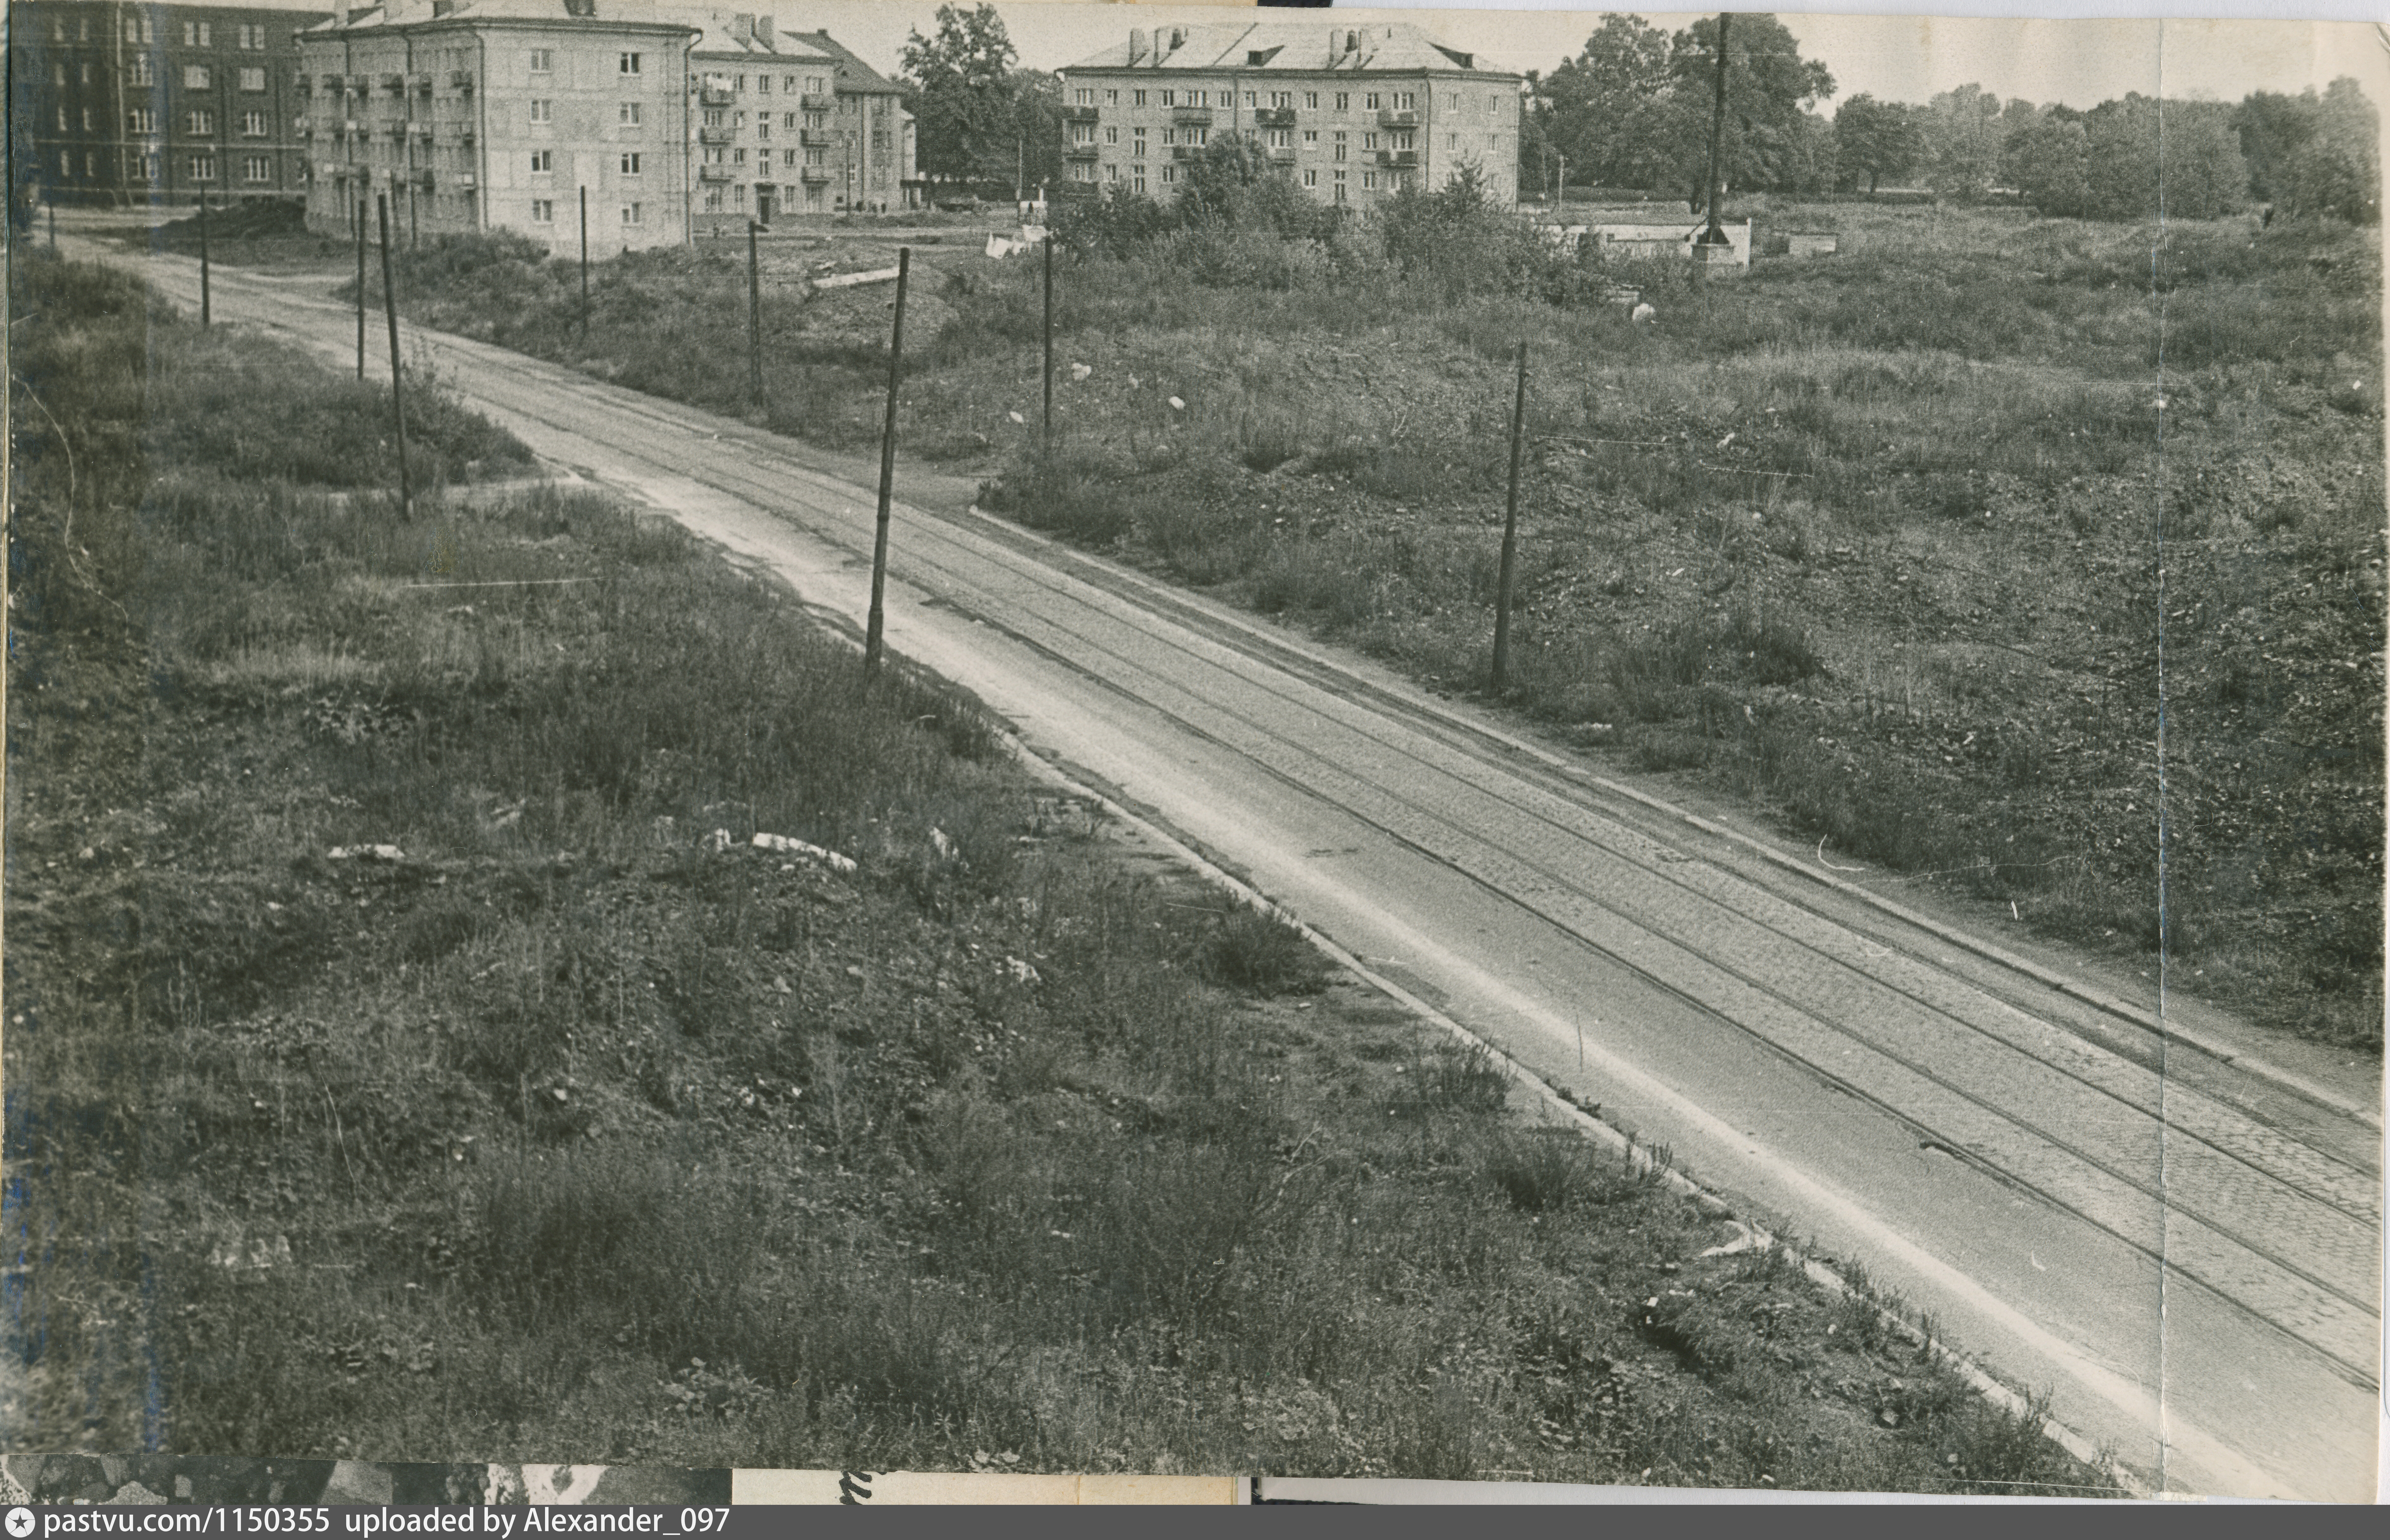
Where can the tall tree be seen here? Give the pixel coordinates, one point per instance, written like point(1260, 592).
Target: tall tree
point(1876, 140)
point(2047, 161)
point(1962, 143)
point(2313, 155)
point(964, 102)
point(2144, 157)
point(1612, 109)
point(1769, 89)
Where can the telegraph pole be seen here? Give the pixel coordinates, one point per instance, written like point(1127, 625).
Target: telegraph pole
point(1715, 235)
point(358, 219)
point(397, 401)
point(1509, 533)
point(754, 321)
point(875, 623)
point(1050, 339)
point(203, 259)
point(585, 264)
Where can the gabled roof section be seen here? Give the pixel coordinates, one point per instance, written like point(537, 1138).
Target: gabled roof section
point(413, 13)
point(853, 73)
point(1280, 47)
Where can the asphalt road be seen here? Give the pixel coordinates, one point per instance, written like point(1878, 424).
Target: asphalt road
point(2177, 1234)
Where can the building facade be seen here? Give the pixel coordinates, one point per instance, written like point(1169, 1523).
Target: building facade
point(118, 104)
point(790, 124)
point(1351, 113)
point(502, 114)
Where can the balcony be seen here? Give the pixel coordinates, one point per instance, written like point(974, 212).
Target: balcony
point(710, 94)
point(711, 173)
point(1402, 160)
point(1274, 117)
point(817, 101)
point(1079, 152)
point(394, 82)
point(1078, 114)
point(712, 136)
point(815, 174)
point(814, 139)
point(1191, 115)
point(1389, 118)
point(1187, 152)
point(461, 81)
point(1282, 155)
point(422, 83)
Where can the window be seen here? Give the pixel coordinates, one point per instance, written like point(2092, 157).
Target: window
point(62, 119)
point(1249, 97)
point(257, 168)
point(813, 155)
point(1281, 98)
point(1199, 135)
point(714, 117)
point(629, 65)
point(1136, 98)
point(253, 39)
point(83, 73)
point(1137, 182)
point(1083, 133)
point(1368, 141)
point(66, 164)
point(1083, 97)
point(789, 122)
point(763, 125)
point(542, 62)
point(630, 162)
point(789, 84)
point(197, 77)
point(1344, 101)
point(1112, 98)
point(1138, 150)
point(1170, 98)
point(252, 79)
point(1452, 100)
point(253, 125)
point(1406, 101)
point(200, 122)
point(713, 200)
point(542, 211)
point(1452, 141)
point(1311, 100)
point(1111, 135)
point(1369, 181)
point(142, 119)
point(1310, 137)
point(814, 85)
point(1169, 174)
point(629, 115)
point(1281, 138)
point(738, 197)
point(634, 213)
point(542, 111)
point(1493, 141)
point(58, 75)
point(203, 168)
point(1169, 135)
point(737, 157)
point(195, 36)
point(1369, 102)
point(543, 162)
point(1339, 186)
point(787, 157)
point(91, 164)
point(764, 84)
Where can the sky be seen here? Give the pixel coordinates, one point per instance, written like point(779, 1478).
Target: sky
point(1904, 56)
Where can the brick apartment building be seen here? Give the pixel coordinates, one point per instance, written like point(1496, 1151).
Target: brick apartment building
point(790, 124)
point(1351, 113)
point(117, 104)
point(497, 114)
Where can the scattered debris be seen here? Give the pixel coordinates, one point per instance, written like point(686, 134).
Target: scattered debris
point(365, 853)
point(787, 846)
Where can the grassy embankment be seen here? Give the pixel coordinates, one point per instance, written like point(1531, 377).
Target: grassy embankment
point(1890, 542)
point(562, 1129)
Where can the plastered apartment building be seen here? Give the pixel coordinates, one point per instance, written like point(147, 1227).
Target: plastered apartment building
point(1351, 113)
point(786, 123)
point(502, 114)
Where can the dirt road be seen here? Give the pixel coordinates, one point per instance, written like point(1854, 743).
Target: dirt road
point(2178, 1233)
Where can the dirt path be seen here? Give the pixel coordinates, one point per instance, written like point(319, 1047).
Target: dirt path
point(2167, 1236)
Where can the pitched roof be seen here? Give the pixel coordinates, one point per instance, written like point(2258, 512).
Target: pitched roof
point(408, 13)
point(1288, 46)
point(853, 73)
point(722, 37)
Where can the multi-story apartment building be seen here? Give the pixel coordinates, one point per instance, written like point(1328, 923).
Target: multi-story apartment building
point(501, 114)
point(121, 103)
point(1351, 113)
point(790, 122)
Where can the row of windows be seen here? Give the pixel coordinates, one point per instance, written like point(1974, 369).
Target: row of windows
point(543, 212)
point(1371, 102)
point(246, 36)
point(813, 86)
point(143, 71)
point(143, 120)
point(543, 110)
point(1134, 180)
point(145, 166)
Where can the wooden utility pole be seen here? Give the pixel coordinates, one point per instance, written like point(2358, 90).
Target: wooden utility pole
point(52, 204)
point(1050, 339)
point(1509, 533)
point(876, 622)
point(397, 400)
point(754, 321)
point(359, 220)
point(1715, 235)
point(203, 259)
point(585, 264)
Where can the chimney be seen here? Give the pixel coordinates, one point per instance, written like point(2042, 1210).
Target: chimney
point(1135, 44)
point(764, 28)
point(339, 13)
point(1177, 38)
point(742, 26)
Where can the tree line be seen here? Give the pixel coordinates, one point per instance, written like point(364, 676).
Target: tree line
point(1631, 112)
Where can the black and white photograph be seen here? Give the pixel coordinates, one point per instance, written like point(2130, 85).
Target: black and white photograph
point(765, 751)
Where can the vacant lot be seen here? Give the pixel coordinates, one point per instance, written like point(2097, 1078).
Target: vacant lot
point(1915, 546)
point(411, 1055)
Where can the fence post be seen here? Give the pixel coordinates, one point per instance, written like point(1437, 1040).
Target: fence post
point(204, 314)
point(876, 624)
point(585, 264)
point(754, 321)
point(1509, 533)
point(357, 218)
point(397, 401)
